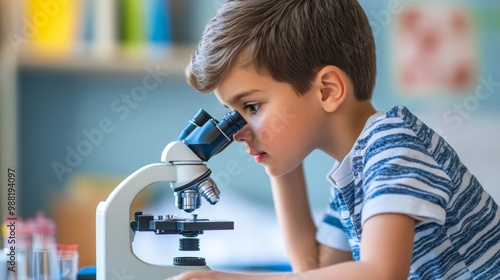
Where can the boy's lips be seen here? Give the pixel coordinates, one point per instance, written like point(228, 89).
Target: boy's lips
point(258, 156)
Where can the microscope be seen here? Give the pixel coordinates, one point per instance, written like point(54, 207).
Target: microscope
point(183, 166)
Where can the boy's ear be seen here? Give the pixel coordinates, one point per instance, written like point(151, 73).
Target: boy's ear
point(333, 87)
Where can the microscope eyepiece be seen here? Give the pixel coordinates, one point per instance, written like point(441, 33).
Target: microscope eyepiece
point(198, 120)
point(213, 136)
point(232, 123)
point(201, 117)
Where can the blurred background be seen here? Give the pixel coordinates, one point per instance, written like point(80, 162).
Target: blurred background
point(92, 90)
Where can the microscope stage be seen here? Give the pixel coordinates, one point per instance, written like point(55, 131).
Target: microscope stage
point(189, 227)
point(192, 225)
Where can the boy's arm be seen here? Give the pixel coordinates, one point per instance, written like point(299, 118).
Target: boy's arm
point(386, 252)
point(296, 223)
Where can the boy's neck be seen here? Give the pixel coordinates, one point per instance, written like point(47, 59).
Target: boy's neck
point(347, 125)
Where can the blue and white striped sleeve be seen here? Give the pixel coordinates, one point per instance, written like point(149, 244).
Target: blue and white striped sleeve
point(400, 176)
point(330, 231)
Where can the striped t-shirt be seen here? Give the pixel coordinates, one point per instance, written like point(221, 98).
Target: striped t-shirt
point(399, 165)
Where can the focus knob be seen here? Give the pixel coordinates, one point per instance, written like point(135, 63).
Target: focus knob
point(189, 261)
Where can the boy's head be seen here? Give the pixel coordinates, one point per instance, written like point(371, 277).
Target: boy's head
point(289, 41)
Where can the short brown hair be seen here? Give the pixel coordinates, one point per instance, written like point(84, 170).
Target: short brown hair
point(290, 40)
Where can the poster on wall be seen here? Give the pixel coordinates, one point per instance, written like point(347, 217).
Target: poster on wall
point(435, 50)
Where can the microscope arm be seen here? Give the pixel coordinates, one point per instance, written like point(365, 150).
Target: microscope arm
point(114, 247)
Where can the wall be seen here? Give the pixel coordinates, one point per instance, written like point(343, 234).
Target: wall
point(58, 109)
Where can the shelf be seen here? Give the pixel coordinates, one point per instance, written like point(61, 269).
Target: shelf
point(173, 59)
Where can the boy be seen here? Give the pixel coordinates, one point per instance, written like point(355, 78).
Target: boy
point(403, 206)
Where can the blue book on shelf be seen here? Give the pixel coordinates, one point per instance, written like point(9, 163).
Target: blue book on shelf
point(158, 21)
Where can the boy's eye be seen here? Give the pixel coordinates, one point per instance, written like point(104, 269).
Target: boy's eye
point(252, 108)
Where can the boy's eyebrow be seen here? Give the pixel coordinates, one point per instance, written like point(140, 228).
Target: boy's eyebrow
point(240, 96)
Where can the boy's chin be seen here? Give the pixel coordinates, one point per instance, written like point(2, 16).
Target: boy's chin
point(273, 171)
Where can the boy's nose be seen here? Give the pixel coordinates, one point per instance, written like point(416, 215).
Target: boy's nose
point(244, 135)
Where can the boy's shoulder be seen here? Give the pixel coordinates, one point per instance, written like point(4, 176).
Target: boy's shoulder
point(396, 120)
point(397, 127)
point(397, 114)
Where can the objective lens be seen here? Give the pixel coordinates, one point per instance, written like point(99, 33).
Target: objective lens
point(188, 200)
point(231, 123)
point(208, 189)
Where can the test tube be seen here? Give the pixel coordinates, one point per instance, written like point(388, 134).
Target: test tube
point(67, 255)
point(24, 250)
point(45, 266)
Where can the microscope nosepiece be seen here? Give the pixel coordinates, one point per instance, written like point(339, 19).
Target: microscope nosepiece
point(189, 199)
